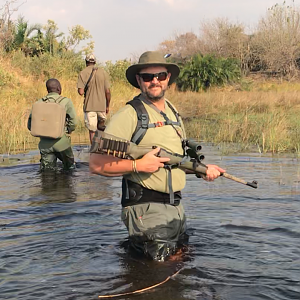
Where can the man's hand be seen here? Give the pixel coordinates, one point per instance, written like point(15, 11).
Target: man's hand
point(80, 91)
point(107, 110)
point(213, 172)
point(150, 163)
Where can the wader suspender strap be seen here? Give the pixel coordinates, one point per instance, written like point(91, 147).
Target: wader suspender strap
point(143, 125)
point(58, 100)
point(90, 78)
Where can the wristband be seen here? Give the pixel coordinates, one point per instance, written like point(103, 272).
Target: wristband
point(134, 166)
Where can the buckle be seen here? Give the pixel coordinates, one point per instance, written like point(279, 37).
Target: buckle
point(159, 124)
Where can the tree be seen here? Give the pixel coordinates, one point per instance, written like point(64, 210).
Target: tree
point(22, 40)
point(182, 47)
point(50, 37)
point(78, 34)
point(89, 48)
point(6, 23)
point(225, 39)
point(276, 44)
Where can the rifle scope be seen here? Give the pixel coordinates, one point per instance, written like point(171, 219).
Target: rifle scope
point(197, 155)
point(195, 146)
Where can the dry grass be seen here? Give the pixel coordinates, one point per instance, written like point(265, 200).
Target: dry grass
point(265, 117)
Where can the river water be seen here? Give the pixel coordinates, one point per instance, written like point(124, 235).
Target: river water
point(61, 236)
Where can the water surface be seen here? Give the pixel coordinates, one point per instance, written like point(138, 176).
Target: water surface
point(61, 236)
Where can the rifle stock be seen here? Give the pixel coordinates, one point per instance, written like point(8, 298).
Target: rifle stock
point(108, 144)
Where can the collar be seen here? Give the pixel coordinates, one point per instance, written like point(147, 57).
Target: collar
point(53, 94)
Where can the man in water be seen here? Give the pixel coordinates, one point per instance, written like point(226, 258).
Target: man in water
point(151, 211)
point(60, 148)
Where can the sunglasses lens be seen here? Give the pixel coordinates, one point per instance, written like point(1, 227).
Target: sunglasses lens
point(147, 77)
point(162, 76)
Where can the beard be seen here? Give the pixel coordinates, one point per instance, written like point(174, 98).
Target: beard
point(152, 97)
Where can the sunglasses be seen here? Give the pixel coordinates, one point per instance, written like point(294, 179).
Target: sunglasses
point(147, 77)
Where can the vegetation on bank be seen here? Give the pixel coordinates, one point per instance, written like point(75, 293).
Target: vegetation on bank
point(220, 99)
point(264, 119)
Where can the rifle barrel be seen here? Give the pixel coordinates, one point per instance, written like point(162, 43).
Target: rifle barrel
point(253, 184)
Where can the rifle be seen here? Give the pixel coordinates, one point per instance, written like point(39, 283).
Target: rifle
point(105, 143)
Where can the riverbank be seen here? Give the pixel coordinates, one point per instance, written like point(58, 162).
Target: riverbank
point(263, 117)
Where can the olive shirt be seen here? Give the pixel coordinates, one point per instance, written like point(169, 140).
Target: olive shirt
point(123, 124)
point(95, 99)
point(62, 143)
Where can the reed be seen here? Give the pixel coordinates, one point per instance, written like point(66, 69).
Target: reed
point(266, 120)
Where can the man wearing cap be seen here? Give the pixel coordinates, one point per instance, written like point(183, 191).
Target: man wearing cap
point(156, 225)
point(93, 83)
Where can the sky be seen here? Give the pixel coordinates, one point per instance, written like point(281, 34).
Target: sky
point(126, 28)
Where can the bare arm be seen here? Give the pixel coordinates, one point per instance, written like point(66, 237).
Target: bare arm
point(107, 97)
point(113, 166)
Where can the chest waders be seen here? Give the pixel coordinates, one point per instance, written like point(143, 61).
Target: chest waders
point(133, 193)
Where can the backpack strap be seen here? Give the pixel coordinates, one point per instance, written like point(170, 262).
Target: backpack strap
point(57, 100)
point(143, 120)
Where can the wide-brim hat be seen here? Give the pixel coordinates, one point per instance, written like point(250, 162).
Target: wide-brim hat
point(147, 59)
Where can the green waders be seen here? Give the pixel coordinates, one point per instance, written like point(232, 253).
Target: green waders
point(155, 229)
point(49, 159)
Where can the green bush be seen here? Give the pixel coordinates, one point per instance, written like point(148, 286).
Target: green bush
point(117, 70)
point(202, 72)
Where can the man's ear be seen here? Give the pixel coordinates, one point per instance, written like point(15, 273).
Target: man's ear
point(169, 75)
point(138, 79)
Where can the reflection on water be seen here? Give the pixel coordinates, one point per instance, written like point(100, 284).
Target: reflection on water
point(61, 236)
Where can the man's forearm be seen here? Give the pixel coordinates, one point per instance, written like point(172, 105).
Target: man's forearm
point(108, 97)
point(109, 166)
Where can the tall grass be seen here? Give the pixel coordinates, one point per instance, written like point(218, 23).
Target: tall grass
point(265, 119)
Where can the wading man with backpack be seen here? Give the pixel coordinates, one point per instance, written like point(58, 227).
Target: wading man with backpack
point(52, 119)
point(151, 192)
point(93, 84)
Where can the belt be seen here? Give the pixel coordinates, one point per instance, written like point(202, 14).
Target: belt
point(133, 193)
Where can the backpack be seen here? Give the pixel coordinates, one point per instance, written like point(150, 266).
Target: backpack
point(48, 118)
point(143, 119)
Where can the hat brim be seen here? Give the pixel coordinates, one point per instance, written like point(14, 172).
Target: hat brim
point(133, 70)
